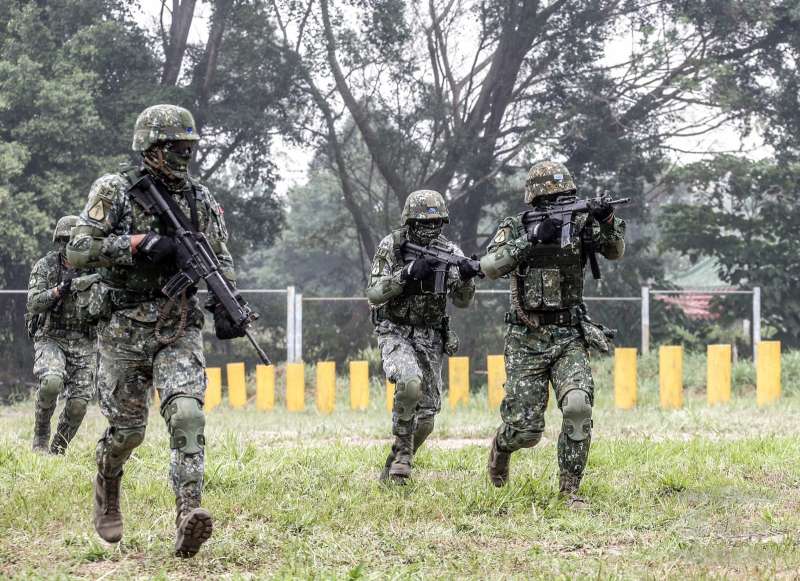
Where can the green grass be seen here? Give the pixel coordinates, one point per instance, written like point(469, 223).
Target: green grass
point(698, 493)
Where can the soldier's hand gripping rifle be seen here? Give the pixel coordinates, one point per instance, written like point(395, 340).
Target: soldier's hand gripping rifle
point(196, 260)
point(565, 209)
point(443, 257)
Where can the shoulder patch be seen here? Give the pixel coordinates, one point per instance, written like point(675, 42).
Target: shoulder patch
point(501, 235)
point(98, 211)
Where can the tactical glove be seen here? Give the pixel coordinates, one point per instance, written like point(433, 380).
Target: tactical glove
point(468, 269)
point(156, 248)
point(601, 211)
point(224, 327)
point(420, 269)
point(545, 231)
point(63, 288)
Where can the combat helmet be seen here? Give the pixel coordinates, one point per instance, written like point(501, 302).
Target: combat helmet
point(63, 228)
point(163, 123)
point(424, 205)
point(547, 178)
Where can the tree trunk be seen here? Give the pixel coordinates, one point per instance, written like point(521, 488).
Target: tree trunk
point(182, 15)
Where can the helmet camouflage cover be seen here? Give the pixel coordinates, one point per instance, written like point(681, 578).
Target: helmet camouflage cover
point(547, 178)
point(163, 123)
point(424, 205)
point(63, 228)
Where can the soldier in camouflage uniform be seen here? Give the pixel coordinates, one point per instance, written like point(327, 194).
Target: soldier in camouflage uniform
point(65, 347)
point(549, 333)
point(412, 326)
point(146, 340)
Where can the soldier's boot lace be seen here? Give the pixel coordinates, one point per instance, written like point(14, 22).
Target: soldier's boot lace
point(107, 514)
point(41, 428)
point(568, 489)
point(498, 465)
point(403, 449)
point(194, 526)
point(63, 436)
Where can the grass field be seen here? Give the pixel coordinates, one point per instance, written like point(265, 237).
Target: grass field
point(698, 493)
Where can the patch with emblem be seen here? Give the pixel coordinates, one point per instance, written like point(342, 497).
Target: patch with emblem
point(98, 211)
point(500, 237)
point(432, 210)
point(559, 177)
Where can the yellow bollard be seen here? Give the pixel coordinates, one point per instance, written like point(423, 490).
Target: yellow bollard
point(625, 378)
point(389, 396)
point(295, 387)
point(265, 388)
point(496, 378)
point(213, 388)
point(237, 387)
point(768, 372)
point(718, 374)
point(359, 385)
point(670, 376)
point(326, 386)
point(458, 368)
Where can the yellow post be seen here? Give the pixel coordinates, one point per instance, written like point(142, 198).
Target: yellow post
point(295, 387)
point(326, 386)
point(459, 381)
point(768, 372)
point(496, 377)
point(214, 388)
point(670, 376)
point(265, 388)
point(359, 385)
point(718, 374)
point(389, 396)
point(237, 388)
point(625, 378)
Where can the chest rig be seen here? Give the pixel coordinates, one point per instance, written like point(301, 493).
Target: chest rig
point(64, 315)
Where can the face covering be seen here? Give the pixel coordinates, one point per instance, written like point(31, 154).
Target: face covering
point(170, 160)
point(425, 231)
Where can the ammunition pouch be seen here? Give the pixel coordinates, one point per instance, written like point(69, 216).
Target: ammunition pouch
point(91, 299)
point(596, 336)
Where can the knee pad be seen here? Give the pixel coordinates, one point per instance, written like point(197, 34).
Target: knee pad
point(576, 409)
point(406, 397)
point(125, 440)
point(49, 389)
point(185, 422)
point(524, 439)
point(74, 410)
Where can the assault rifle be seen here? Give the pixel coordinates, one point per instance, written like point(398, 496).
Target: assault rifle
point(196, 260)
point(444, 257)
point(565, 209)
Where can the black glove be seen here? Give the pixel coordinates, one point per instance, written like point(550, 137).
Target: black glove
point(600, 211)
point(224, 327)
point(545, 231)
point(468, 269)
point(63, 288)
point(156, 248)
point(420, 269)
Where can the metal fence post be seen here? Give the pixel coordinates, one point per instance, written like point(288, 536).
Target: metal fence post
point(298, 327)
point(645, 320)
point(290, 342)
point(756, 319)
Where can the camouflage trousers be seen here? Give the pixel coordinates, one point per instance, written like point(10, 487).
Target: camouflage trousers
point(132, 362)
point(408, 352)
point(71, 356)
point(534, 358)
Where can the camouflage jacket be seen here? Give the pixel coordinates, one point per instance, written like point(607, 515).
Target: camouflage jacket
point(411, 305)
point(546, 276)
point(46, 313)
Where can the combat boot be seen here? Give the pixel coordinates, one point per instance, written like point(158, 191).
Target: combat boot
point(41, 428)
point(498, 465)
point(421, 434)
point(400, 468)
point(63, 436)
point(107, 515)
point(568, 489)
point(194, 526)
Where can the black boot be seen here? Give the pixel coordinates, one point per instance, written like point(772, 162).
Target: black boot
point(403, 449)
point(107, 514)
point(498, 465)
point(568, 488)
point(41, 428)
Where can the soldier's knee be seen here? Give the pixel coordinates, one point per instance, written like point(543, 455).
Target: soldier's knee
point(576, 409)
point(49, 388)
point(406, 397)
point(123, 441)
point(524, 439)
point(186, 423)
point(74, 410)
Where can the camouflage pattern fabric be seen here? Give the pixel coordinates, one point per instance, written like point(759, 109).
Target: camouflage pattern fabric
point(72, 356)
point(424, 205)
point(407, 352)
point(163, 123)
point(547, 178)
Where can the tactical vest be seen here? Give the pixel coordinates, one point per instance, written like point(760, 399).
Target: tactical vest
point(143, 277)
point(418, 305)
point(551, 278)
point(64, 316)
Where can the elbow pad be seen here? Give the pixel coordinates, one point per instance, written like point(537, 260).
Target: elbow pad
point(498, 263)
point(85, 248)
point(381, 292)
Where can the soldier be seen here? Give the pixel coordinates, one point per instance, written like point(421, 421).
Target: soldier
point(412, 326)
point(147, 340)
point(64, 346)
point(548, 331)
